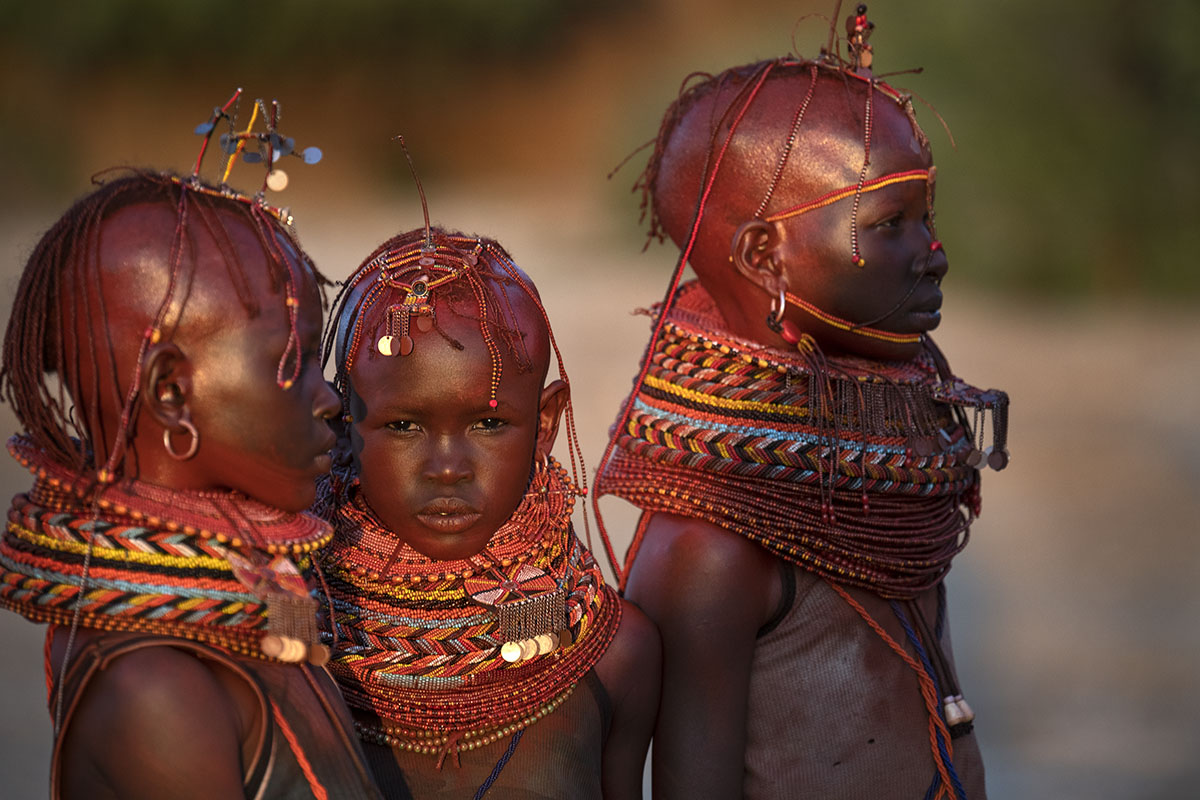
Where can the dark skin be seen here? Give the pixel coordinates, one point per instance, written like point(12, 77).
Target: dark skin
point(216, 368)
point(699, 582)
point(443, 470)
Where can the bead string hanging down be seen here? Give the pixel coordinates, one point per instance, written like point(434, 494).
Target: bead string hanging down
point(779, 448)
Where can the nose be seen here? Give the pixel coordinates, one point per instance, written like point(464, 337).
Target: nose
point(447, 463)
point(936, 262)
point(326, 403)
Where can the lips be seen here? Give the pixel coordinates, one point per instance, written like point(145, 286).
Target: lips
point(322, 460)
point(448, 515)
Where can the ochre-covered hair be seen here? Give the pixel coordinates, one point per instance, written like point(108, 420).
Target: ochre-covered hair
point(43, 350)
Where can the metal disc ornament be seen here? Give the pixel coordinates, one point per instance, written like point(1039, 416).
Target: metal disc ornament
point(385, 345)
point(277, 180)
point(406, 344)
point(312, 155)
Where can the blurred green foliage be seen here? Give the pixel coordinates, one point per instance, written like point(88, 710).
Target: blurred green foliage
point(1076, 122)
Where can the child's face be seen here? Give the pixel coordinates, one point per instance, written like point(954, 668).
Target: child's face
point(254, 437)
point(439, 467)
point(898, 288)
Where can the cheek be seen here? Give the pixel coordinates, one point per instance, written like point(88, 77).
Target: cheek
point(379, 457)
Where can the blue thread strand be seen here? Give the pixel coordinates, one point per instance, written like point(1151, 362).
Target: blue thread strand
point(959, 791)
point(496, 770)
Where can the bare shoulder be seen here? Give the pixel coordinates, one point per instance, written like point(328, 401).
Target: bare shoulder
point(688, 567)
point(632, 661)
point(146, 722)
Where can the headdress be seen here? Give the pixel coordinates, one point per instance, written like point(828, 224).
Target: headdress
point(400, 285)
point(62, 263)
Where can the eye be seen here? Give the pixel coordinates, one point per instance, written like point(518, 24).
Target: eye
point(490, 424)
point(402, 426)
point(891, 222)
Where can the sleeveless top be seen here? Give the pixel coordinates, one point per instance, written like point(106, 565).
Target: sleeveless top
point(833, 713)
point(556, 758)
point(310, 711)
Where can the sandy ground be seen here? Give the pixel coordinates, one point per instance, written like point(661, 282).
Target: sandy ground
point(1073, 609)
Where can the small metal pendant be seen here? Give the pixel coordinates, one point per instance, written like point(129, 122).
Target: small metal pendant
point(386, 345)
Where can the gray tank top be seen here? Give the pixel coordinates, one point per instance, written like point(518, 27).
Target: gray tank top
point(834, 713)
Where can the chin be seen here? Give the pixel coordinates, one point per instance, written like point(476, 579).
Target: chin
point(298, 499)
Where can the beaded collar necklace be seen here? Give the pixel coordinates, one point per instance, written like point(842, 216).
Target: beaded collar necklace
point(210, 566)
point(452, 655)
point(857, 470)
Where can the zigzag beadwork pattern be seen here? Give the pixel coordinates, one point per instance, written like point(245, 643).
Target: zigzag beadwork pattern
point(856, 470)
point(419, 643)
point(143, 572)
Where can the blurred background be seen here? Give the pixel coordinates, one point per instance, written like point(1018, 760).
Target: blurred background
point(1068, 205)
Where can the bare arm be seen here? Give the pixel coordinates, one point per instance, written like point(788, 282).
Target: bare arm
point(630, 671)
point(155, 723)
point(709, 591)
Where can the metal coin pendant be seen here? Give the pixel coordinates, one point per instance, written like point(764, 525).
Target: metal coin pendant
point(406, 344)
point(997, 459)
point(510, 652)
point(277, 180)
point(318, 655)
point(424, 324)
point(975, 458)
point(529, 649)
point(385, 345)
point(271, 646)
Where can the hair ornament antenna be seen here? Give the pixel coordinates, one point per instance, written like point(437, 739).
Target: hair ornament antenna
point(267, 147)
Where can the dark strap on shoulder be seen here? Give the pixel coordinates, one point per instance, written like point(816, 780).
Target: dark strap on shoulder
point(787, 577)
point(603, 701)
point(97, 653)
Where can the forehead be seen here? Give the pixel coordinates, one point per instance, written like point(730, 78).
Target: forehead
point(437, 375)
point(831, 140)
point(515, 320)
point(224, 274)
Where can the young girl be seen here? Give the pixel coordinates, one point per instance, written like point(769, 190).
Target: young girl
point(162, 359)
point(472, 632)
point(806, 462)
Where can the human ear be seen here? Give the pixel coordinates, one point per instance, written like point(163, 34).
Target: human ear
point(753, 253)
point(550, 410)
point(166, 384)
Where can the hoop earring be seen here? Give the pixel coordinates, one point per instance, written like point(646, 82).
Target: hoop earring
point(778, 306)
point(190, 429)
